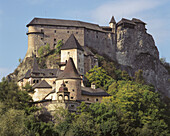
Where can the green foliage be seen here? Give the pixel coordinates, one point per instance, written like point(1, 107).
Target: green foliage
point(99, 77)
point(58, 46)
point(43, 50)
point(63, 121)
point(12, 97)
point(12, 123)
point(139, 77)
point(138, 108)
point(28, 88)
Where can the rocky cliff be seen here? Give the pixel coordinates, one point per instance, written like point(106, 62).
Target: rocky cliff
point(136, 50)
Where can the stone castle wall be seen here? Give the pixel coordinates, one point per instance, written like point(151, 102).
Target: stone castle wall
point(100, 41)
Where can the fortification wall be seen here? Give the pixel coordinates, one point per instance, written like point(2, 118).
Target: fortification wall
point(102, 42)
point(39, 35)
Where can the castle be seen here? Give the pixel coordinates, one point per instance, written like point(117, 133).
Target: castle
point(103, 39)
point(64, 87)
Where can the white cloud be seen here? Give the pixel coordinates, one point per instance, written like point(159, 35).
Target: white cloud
point(122, 8)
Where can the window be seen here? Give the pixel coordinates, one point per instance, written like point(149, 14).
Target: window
point(68, 53)
point(45, 43)
point(66, 82)
point(33, 81)
point(42, 30)
point(54, 40)
point(37, 81)
point(54, 31)
point(73, 90)
point(71, 97)
point(72, 106)
point(96, 36)
point(97, 100)
point(67, 31)
point(42, 38)
point(88, 99)
point(54, 45)
point(76, 32)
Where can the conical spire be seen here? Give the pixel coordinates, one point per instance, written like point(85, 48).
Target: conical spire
point(71, 43)
point(70, 71)
point(35, 65)
point(112, 20)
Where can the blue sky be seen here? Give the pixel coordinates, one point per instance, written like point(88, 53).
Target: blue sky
point(15, 14)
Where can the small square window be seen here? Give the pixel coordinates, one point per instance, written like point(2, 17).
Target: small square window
point(66, 82)
point(67, 31)
point(71, 97)
point(42, 38)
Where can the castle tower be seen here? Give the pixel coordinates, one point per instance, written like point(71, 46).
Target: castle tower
point(63, 94)
point(72, 80)
point(112, 24)
point(73, 49)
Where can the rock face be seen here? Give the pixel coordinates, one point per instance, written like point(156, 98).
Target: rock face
point(137, 50)
point(126, 42)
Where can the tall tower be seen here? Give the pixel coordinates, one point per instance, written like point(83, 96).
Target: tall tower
point(112, 24)
point(72, 79)
point(73, 49)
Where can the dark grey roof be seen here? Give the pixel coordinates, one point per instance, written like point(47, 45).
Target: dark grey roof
point(83, 92)
point(61, 22)
point(93, 92)
point(71, 43)
point(70, 71)
point(112, 20)
point(123, 20)
point(135, 20)
point(35, 68)
point(42, 84)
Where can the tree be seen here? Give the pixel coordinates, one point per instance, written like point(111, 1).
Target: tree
point(43, 50)
point(138, 109)
point(99, 77)
point(58, 47)
point(12, 123)
point(12, 97)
